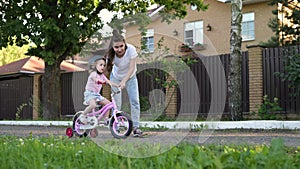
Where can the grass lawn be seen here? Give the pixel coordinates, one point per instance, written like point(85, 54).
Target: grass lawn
point(62, 152)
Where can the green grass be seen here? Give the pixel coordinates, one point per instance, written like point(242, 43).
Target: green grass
point(61, 152)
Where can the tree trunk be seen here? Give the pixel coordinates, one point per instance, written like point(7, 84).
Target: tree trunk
point(234, 84)
point(51, 88)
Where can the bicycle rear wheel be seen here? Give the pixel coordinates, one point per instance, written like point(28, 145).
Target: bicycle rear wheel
point(121, 127)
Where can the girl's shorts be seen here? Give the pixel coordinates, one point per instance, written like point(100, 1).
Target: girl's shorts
point(88, 95)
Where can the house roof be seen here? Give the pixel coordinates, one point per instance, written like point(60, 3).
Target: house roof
point(31, 65)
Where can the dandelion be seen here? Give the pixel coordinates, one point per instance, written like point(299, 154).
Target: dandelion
point(21, 141)
point(78, 153)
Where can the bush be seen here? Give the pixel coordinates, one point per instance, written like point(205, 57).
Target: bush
point(268, 108)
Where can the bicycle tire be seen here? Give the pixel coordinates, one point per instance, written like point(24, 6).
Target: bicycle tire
point(122, 129)
point(84, 133)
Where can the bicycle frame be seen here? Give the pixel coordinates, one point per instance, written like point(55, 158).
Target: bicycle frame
point(112, 105)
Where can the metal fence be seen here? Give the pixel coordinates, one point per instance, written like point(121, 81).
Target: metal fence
point(16, 98)
point(274, 61)
point(208, 70)
point(16, 93)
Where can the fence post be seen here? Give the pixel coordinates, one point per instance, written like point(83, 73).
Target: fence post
point(36, 101)
point(255, 77)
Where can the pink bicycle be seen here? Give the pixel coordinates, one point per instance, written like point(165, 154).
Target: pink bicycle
point(119, 123)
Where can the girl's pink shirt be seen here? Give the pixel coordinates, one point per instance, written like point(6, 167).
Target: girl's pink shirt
point(92, 85)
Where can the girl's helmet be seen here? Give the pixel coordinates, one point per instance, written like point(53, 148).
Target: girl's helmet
point(95, 58)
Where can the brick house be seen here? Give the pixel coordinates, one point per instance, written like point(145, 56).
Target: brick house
point(210, 28)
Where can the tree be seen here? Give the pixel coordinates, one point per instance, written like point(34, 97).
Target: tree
point(234, 84)
point(60, 28)
point(287, 28)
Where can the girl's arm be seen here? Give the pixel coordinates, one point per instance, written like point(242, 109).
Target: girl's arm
point(110, 82)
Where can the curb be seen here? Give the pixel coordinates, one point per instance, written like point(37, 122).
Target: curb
point(221, 125)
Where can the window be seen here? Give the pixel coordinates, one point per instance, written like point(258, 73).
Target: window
point(248, 29)
point(149, 40)
point(193, 33)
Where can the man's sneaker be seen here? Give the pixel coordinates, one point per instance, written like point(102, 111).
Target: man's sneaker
point(137, 132)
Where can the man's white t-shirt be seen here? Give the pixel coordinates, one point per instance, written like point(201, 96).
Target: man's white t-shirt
point(121, 65)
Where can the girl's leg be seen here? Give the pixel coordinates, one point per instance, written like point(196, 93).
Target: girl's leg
point(117, 97)
point(90, 107)
point(103, 103)
point(133, 94)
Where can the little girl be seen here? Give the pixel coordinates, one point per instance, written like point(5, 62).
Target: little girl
point(93, 87)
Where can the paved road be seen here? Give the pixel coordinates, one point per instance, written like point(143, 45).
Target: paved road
point(291, 138)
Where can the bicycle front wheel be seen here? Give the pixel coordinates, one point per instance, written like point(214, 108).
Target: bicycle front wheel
point(76, 126)
point(121, 127)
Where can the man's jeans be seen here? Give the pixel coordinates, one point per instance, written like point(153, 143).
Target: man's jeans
point(133, 94)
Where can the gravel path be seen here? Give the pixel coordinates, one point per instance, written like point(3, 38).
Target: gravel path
point(253, 137)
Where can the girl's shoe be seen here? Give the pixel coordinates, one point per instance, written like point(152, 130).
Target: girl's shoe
point(105, 122)
point(83, 119)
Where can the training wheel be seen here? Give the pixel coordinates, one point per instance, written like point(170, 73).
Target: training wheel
point(93, 133)
point(69, 132)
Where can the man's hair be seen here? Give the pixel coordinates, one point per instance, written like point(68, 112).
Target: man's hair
point(117, 37)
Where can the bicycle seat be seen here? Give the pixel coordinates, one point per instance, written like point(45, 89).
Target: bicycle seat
point(97, 102)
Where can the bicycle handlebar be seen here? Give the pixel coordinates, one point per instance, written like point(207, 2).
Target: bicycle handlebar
point(116, 92)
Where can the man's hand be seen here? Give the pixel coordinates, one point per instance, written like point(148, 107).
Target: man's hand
point(122, 85)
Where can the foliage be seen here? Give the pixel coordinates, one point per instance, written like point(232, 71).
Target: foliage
point(290, 29)
point(61, 152)
point(144, 103)
point(19, 111)
point(267, 108)
point(59, 29)
point(292, 70)
point(12, 53)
